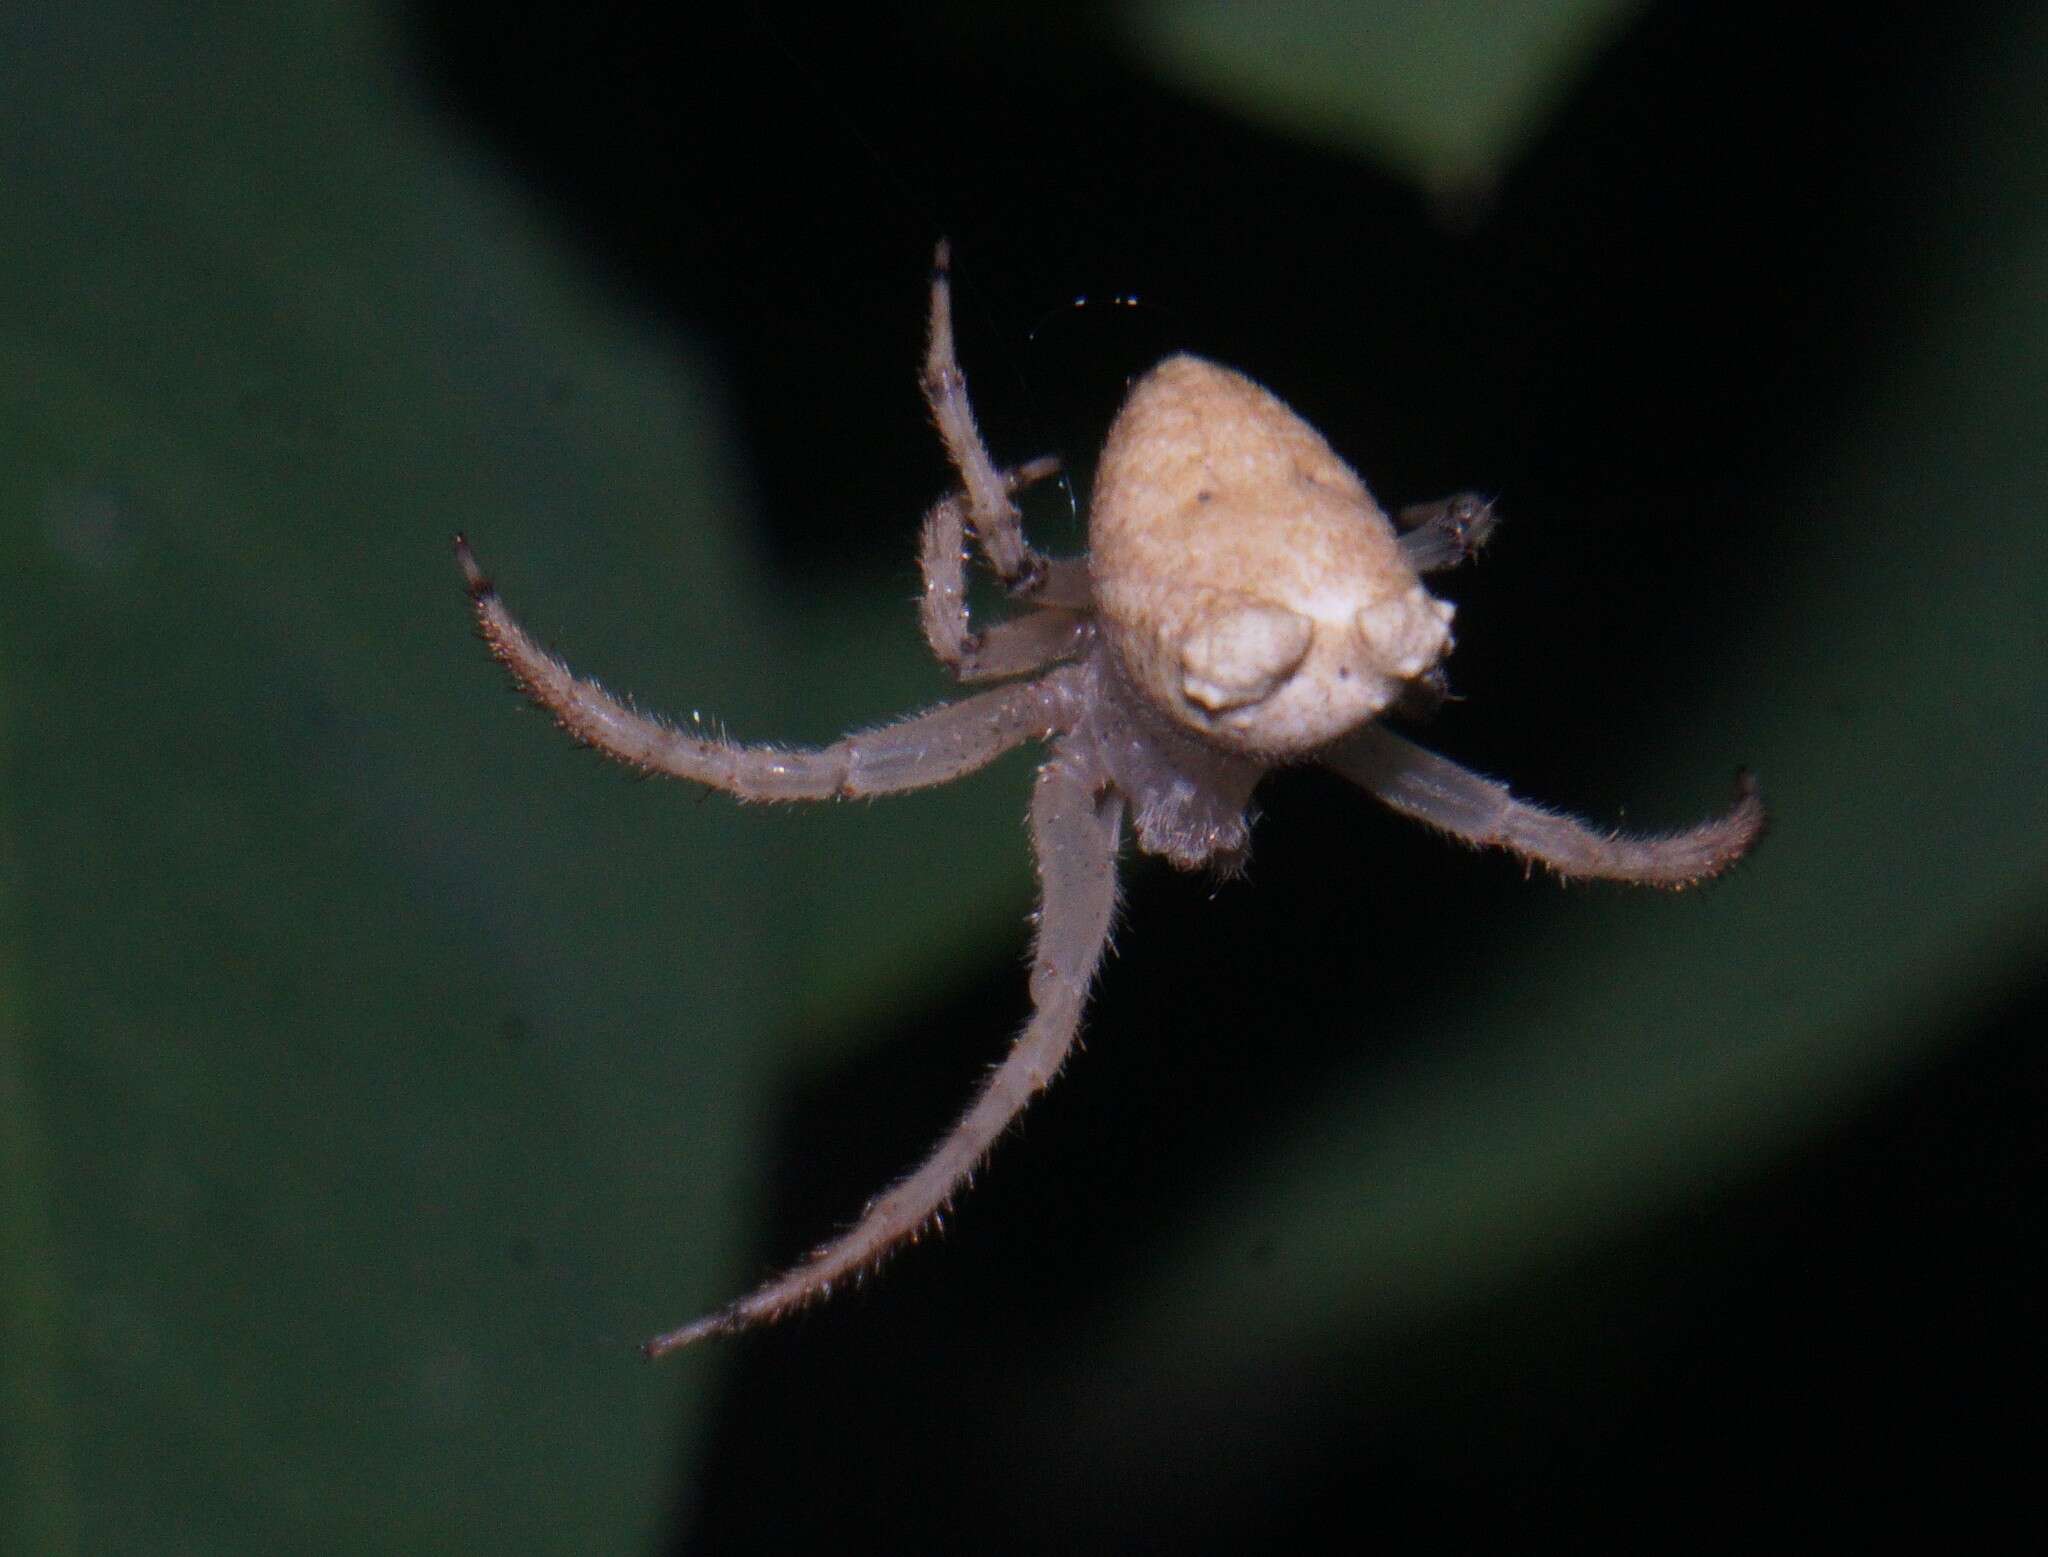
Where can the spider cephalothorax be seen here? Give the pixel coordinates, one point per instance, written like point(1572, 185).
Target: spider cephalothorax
point(1245, 604)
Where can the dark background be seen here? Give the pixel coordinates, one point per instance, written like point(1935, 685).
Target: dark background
point(375, 1071)
point(1664, 305)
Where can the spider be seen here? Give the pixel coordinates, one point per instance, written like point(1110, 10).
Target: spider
point(1244, 605)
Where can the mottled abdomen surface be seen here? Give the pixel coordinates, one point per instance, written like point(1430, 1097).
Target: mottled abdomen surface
point(1245, 577)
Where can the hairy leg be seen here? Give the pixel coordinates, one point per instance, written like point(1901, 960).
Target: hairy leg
point(996, 523)
point(1445, 533)
point(1007, 648)
point(1023, 644)
point(928, 749)
point(1066, 584)
point(1074, 829)
point(1438, 792)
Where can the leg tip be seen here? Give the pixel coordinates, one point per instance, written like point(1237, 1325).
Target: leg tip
point(473, 576)
point(720, 1323)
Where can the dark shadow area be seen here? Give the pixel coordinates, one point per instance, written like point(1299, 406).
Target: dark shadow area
point(1839, 1327)
point(1670, 298)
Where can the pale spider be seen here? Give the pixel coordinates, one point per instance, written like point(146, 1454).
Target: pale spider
point(1244, 604)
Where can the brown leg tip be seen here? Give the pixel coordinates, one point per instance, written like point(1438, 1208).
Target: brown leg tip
point(1749, 806)
point(473, 577)
point(721, 1323)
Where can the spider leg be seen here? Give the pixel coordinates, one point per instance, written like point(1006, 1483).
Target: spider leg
point(1020, 645)
point(1422, 698)
point(1008, 648)
point(1075, 829)
point(1445, 533)
point(996, 522)
point(927, 749)
point(1065, 583)
point(1439, 793)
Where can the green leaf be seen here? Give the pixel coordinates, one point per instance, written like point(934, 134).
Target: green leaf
point(1638, 1053)
point(1445, 93)
point(375, 1070)
point(350, 1148)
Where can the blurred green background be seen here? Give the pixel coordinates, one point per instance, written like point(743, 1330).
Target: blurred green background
point(376, 1071)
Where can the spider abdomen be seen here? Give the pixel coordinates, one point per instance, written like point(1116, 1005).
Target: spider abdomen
point(1248, 582)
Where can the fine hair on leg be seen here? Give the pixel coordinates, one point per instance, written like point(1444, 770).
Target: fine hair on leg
point(1006, 648)
point(997, 524)
point(1444, 533)
point(1074, 830)
point(916, 753)
point(1454, 800)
